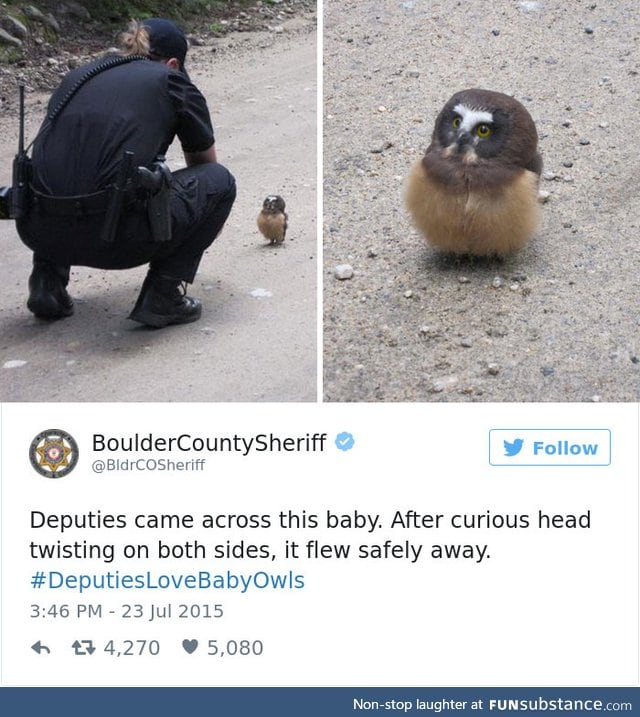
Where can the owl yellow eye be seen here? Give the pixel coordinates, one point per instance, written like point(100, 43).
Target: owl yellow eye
point(483, 131)
point(456, 122)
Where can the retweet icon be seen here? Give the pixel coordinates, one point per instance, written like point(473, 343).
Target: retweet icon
point(512, 449)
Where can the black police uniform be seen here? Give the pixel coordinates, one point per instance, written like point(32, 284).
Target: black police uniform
point(140, 107)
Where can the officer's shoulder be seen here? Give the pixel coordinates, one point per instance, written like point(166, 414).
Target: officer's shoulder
point(114, 61)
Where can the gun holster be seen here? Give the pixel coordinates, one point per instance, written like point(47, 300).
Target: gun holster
point(157, 182)
point(150, 184)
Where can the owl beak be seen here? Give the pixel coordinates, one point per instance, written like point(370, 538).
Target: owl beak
point(463, 141)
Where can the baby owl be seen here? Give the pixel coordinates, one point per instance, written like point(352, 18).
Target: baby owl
point(272, 220)
point(475, 191)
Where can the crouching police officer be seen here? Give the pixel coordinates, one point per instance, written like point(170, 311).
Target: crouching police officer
point(101, 194)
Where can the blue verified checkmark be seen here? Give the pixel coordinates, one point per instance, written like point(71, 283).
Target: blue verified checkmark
point(345, 441)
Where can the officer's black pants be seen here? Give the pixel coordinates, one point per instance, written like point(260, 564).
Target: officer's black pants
point(201, 199)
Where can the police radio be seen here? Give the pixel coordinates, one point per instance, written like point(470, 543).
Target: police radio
point(14, 200)
point(21, 171)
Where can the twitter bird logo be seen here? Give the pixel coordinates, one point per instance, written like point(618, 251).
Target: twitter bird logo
point(512, 449)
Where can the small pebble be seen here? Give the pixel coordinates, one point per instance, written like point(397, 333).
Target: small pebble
point(495, 32)
point(493, 369)
point(441, 384)
point(15, 363)
point(429, 332)
point(567, 164)
point(547, 371)
point(343, 271)
point(603, 125)
point(497, 282)
point(408, 294)
point(380, 147)
point(261, 294)
point(514, 287)
point(567, 225)
point(589, 30)
point(584, 142)
point(466, 343)
point(549, 176)
point(498, 332)
point(543, 196)
point(372, 253)
point(464, 279)
point(566, 123)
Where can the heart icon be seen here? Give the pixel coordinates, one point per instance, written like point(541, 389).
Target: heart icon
point(190, 646)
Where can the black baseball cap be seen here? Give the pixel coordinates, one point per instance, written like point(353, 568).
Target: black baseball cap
point(167, 40)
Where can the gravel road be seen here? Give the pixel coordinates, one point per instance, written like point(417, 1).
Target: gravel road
point(256, 340)
point(559, 321)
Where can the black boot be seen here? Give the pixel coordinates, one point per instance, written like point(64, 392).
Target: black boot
point(48, 296)
point(163, 301)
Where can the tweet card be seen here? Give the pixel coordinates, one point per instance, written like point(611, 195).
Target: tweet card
point(310, 546)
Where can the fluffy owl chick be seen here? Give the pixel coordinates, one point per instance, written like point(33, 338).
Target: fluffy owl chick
point(272, 220)
point(475, 191)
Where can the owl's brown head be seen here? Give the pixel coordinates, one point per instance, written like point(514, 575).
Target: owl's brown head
point(481, 133)
point(273, 204)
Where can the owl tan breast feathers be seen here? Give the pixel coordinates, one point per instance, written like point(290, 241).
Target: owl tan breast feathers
point(475, 191)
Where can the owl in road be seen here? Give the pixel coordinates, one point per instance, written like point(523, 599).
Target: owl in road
point(272, 220)
point(475, 191)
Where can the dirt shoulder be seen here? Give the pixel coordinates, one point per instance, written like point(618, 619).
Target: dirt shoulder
point(64, 37)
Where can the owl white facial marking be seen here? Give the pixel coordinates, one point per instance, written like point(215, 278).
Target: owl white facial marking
point(470, 157)
point(471, 117)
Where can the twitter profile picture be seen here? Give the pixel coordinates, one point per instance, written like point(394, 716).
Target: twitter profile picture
point(53, 453)
point(512, 448)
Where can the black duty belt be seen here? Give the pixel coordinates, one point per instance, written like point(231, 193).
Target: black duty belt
point(79, 206)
